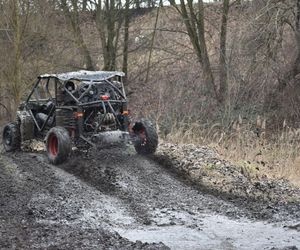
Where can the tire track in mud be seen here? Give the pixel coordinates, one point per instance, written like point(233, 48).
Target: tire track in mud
point(160, 201)
point(44, 207)
point(142, 184)
point(117, 190)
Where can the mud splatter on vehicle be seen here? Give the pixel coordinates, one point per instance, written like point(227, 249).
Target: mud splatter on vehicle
point(78, 109)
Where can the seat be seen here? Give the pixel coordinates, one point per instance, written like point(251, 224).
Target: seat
point(42, 116)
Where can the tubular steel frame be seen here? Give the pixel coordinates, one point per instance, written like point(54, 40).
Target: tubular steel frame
point(80, 106)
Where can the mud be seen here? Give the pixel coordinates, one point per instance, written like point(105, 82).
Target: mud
point(43, 207)
point(116, 199)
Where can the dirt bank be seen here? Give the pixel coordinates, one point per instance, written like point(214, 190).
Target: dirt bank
point(271, 199)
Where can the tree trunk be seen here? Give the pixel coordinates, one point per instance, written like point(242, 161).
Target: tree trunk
point(207, 72)
point(101, 29)
point(151, 45)
point(296, 68)
point(110, 35)
point(73, 18)
point(126, 38)
point(222, 60)
point(137, 4)
point(194, 22)
point(16, 88)
point(108, 23)
point(84, 5)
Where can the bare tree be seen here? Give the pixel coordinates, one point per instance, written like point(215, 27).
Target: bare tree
point(296, 66)
point(72, 14)
point(15, 18)
point(109, 20)
point(84, 5)
point(193, 17)
point(271, 20)
point(223, 57)
point(137, 4)
point(152, 44)
point(16, 24)
point(126, 36)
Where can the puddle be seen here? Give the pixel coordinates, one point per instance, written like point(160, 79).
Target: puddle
point(217, 232)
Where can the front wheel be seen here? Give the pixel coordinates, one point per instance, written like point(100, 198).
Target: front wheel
point(58, 145)
point(11, 137)
point(146, 137)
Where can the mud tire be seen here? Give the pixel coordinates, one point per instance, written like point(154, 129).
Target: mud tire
point(11, 137)
point(147, 138)
point(58, 145)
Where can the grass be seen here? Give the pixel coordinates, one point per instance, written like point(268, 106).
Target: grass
point(275, 155)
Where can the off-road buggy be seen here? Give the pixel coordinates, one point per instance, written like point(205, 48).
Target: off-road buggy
point(78, 109)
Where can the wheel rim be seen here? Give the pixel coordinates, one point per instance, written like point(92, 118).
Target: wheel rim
point(142, 136)
point(7, 136)
point(53, 145)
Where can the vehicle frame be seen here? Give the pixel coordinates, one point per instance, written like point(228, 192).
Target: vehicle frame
point(89, 107)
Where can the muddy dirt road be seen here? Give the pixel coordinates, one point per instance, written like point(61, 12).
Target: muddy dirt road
point(119, 200)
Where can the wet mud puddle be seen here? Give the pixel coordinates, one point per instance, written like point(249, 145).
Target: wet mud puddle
point(217, 232)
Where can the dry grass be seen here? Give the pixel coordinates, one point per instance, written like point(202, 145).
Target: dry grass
point(276, 155)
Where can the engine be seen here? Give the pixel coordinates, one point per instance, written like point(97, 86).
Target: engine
point(102, 109)
point(97, 121)
point(91, 92)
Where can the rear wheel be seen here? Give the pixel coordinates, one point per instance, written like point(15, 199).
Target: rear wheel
point(11, 137)
point(58, 145)
point(147, 139)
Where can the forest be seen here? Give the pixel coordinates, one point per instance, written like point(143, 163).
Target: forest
point(220, 73)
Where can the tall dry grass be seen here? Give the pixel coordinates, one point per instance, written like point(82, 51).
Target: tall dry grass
point(275, 154)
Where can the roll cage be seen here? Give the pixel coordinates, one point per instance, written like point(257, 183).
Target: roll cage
point(76, 102)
